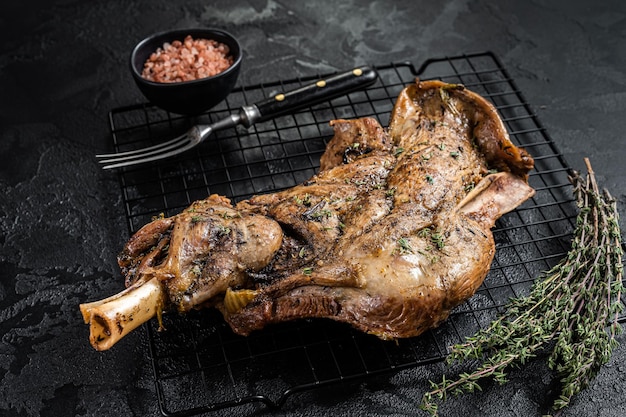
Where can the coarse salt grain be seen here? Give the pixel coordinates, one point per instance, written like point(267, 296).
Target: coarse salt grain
point(189, 60)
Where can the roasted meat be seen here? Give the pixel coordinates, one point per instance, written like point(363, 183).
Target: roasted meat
point(390, 235)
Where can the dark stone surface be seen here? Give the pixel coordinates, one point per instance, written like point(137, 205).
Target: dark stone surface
point(63, 66)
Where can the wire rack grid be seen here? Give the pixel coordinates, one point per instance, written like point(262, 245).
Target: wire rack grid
point(199, 364)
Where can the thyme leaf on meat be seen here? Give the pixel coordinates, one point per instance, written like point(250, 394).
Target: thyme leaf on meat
point(227, 216)
point(305, 200)
point(436, 236)
point(223, 230)
point(390, 192)
point(572, 309)
point(404, 247)
point(438, 240)
point(160, 216)
point(321, 214)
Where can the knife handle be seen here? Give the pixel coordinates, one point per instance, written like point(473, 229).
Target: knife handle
point(308, 95)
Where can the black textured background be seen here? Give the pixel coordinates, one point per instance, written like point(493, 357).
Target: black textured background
point(63, 66)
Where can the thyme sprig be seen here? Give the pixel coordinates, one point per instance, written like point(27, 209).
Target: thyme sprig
point(573, 309)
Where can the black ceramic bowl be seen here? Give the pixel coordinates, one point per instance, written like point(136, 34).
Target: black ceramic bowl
point(186, 97)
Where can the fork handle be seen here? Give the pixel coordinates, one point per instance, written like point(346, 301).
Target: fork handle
point(308, 95)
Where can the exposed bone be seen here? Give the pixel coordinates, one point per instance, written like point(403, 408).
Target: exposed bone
point(114, 317)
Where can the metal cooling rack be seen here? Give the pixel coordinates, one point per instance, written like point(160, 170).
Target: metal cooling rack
point(199, 364)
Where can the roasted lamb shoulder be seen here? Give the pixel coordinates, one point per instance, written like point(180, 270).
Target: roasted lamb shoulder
point(390, 235)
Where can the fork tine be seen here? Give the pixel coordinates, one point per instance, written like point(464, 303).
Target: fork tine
point(140, 159)
point(142, 151)
point(172, 147)
point(145, 152)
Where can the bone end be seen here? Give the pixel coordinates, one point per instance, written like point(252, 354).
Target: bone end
point(114, 317)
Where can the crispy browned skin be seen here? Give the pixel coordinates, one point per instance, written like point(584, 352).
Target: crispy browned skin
point(391, 235)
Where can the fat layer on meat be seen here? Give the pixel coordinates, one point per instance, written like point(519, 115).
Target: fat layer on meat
point(390, 235)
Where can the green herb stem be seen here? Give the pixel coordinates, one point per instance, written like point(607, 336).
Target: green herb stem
point(567, 310)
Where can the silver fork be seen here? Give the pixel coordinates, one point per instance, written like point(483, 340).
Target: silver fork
point(279, 104)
